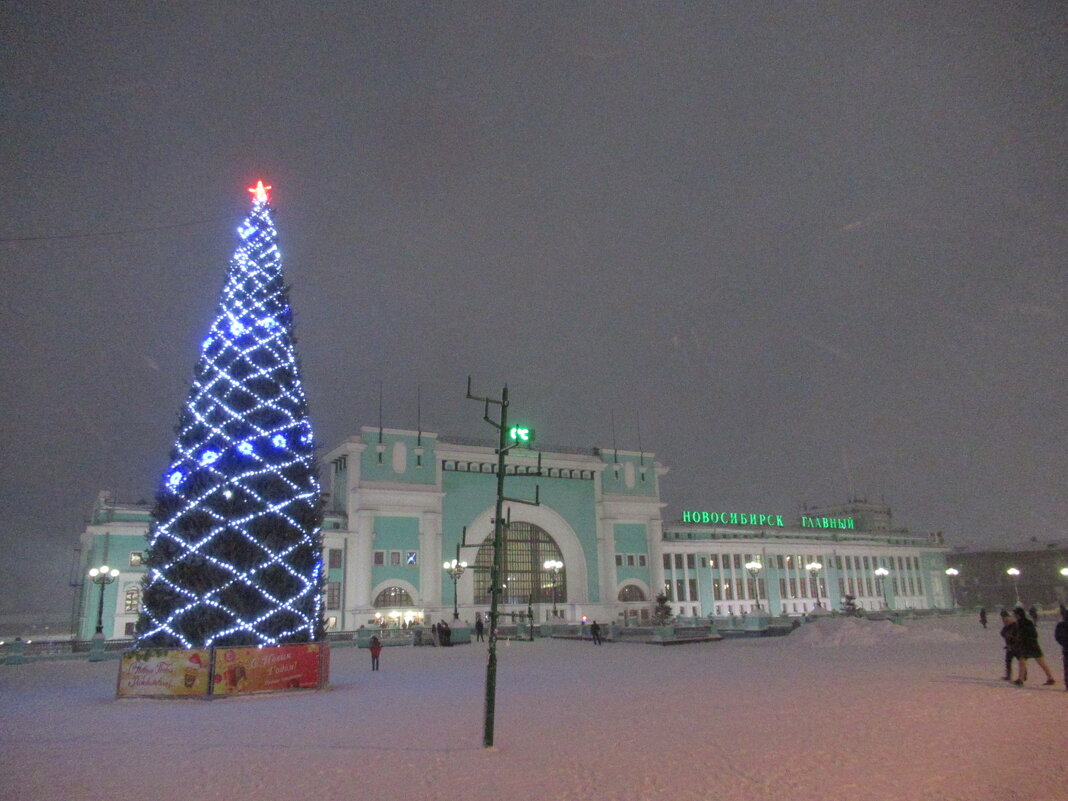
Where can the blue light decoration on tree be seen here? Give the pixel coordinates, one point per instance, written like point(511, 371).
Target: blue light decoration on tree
point(235, 547)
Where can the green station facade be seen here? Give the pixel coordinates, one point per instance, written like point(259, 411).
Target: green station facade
point(401, 504)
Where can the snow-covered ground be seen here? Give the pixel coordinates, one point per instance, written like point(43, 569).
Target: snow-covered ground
point(841, 710)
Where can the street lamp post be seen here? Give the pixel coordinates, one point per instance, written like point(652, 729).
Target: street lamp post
point(455, 568)
point(554, 567)
point(952, 572)
point(103, 576)
point(880, 575)
point(814, 569)
point(1012, 571)
point(754, 569)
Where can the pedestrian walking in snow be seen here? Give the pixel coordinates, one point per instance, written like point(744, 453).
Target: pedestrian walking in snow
point(1029, 647)
point(376, 650)
point(982, 617)
point(595, 632)
point(480, 630)
point(1011, 635)
point(1060, 634)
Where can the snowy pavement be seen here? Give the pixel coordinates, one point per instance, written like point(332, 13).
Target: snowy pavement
point(841, 710)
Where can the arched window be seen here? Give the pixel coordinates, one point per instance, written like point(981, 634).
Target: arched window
point(131, 599)
point(631, 593)
point(392, 597)
point(526, 549)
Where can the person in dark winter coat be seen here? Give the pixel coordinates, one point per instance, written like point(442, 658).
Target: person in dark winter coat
point(595, 632)
point(1029, 647)
point(1011, 636)
point(982, 617)
point(376, 650)
point(1060, 634)
point(480, 630)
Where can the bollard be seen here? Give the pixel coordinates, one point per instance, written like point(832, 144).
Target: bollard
point(96, 648)
point(16, 653)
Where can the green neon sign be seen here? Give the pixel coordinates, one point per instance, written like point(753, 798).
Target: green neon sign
point(522, 435)
point(753, 519)
point(732, 518)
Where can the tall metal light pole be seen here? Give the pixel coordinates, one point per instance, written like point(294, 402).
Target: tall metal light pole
point(554, 567)
point(880, 578)
point(103, 576)
point(1012, 571)
point(496, 586)
point(754, 569)
point(814, 569)
point(455, 568)
point(952, 572)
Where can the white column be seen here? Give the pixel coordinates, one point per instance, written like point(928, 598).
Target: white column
point(655, 543)
point(606, 555)
point(360, 561)
point(430, 559)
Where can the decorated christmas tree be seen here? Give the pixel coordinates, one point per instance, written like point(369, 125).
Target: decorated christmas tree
point(234, 551)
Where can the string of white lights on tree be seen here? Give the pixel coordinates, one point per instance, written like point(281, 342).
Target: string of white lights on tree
point(235, 552)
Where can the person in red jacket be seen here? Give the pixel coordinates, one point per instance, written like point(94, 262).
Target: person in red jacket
point(376, 650)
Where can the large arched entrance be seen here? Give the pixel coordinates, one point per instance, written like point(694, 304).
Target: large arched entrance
point(635, 604)
point(394, 606)
point(526, 549)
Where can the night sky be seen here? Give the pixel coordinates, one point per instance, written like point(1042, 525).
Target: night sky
point(802, 252)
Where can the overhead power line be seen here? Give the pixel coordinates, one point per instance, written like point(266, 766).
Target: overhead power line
point(122, 232)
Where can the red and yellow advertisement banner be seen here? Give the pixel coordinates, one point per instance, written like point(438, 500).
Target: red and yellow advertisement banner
point(162, 673)
point(278, 667)
point(154, 673)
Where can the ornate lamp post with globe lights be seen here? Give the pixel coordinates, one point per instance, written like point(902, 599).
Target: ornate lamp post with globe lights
point(880, 575)
point(1015, 574)
point(814, 569)
point(754, 569)
point(103, 576)
point(952, 572)
point(455, 568)
point(554, 567)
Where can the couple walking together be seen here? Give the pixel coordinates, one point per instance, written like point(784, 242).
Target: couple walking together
point(1021, 643)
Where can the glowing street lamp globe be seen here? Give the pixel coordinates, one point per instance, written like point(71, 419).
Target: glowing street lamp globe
point(754, 567)
point(1015, 575)
point(455, 568)
point(813, 569)
point(952, 572)
point(102, 576)
point(554, 566)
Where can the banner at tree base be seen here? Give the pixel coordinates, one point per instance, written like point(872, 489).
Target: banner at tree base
point(277, 667)
point(161, 672)
point(175, 673)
